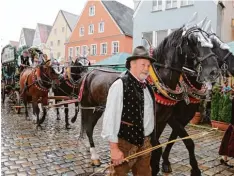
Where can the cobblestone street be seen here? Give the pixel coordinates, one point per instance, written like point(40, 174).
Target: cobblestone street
point(56, 151)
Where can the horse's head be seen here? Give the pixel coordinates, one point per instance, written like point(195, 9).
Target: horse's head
point(197, 49)
point(50, 68)
point(78, 67)
point(221, 49)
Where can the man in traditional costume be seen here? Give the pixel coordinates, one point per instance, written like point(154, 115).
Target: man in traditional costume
point(24, 60)
point(129, 118)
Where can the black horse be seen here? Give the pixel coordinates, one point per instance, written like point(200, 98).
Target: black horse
point(181, 47)
point(183, 113)
point(69, 85)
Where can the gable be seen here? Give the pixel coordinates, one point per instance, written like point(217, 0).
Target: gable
point(71, 19)
point(28, 35)
point(36, 39)
point(44, 31)
point(122, 15)
point(101, 15)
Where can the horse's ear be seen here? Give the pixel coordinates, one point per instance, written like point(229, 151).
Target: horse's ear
point(191, 21)
point(202, 23)
point(79, 55)
point(87, 52)
point(70, 60)
point(145, 43)
point(51, 61)
point(207, 28)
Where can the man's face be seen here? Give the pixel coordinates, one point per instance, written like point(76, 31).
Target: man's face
point(140, 68)
point(25, 54)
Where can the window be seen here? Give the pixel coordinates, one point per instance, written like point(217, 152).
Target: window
point(156, 37)
point(51, 43)
point(84, 50)
point(103, 48)
point(58, 43)
point(55, 31)
point(93, 50)
point(92, 11)
point(160, 35)
point(63, 29)
point(58, 55)
point(101, 27)
point(186, 2)
point(81, 31)
point(91, 29)
point(70, 52)
point(77, 51)
point(148, 36)
point(171, 4)
point(115, 47)
point(157, 5)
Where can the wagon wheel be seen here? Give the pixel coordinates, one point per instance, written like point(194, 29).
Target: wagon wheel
point(17, 102)
point(3, 93)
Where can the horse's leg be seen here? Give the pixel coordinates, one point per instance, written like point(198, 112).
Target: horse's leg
point(36, 111)
point(44, 103)
point(166, 165)
point(26, 109)
point(57, 109)
point(90, 119)
point(179, 129)
point(66, 116)
point(76, 112)
point(156, 154)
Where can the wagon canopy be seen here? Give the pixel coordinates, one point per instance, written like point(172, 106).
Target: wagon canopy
point(118, 59)
point(8, 54)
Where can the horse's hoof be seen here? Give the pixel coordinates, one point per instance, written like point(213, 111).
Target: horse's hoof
point(39, 126)
point(73, 120)
point(166, 168)
point(68, 127)
point(96, 163)
point(196, 172)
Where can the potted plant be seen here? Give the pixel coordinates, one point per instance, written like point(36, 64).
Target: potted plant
point(221, 110)
point(199, 115)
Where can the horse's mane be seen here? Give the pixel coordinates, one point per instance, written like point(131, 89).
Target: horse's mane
point(170, 41)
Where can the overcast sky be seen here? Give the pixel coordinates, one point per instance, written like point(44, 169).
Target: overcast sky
point(16, 14)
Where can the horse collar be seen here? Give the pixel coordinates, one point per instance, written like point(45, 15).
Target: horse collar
point(38, 83)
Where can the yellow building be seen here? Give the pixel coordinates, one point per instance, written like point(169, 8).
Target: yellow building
point(59, 35)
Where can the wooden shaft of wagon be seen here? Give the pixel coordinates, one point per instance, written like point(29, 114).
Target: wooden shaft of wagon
point(59, 97)
point(63, 103)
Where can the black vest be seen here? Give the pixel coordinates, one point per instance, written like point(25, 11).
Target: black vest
point(25, 60)
point(132, 120)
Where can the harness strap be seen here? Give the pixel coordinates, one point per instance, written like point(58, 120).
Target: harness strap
point(82, 89)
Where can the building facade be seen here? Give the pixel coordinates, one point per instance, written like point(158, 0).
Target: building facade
point(26, 37)
point(60, 33)
point(156, 19)
point(103, 29)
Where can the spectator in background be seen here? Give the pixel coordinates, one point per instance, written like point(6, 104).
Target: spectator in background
point(227, 144)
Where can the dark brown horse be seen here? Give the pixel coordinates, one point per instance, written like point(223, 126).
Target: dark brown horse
point(35, 84)
point(183, 113)
point(68, 84)
point(181, 47)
